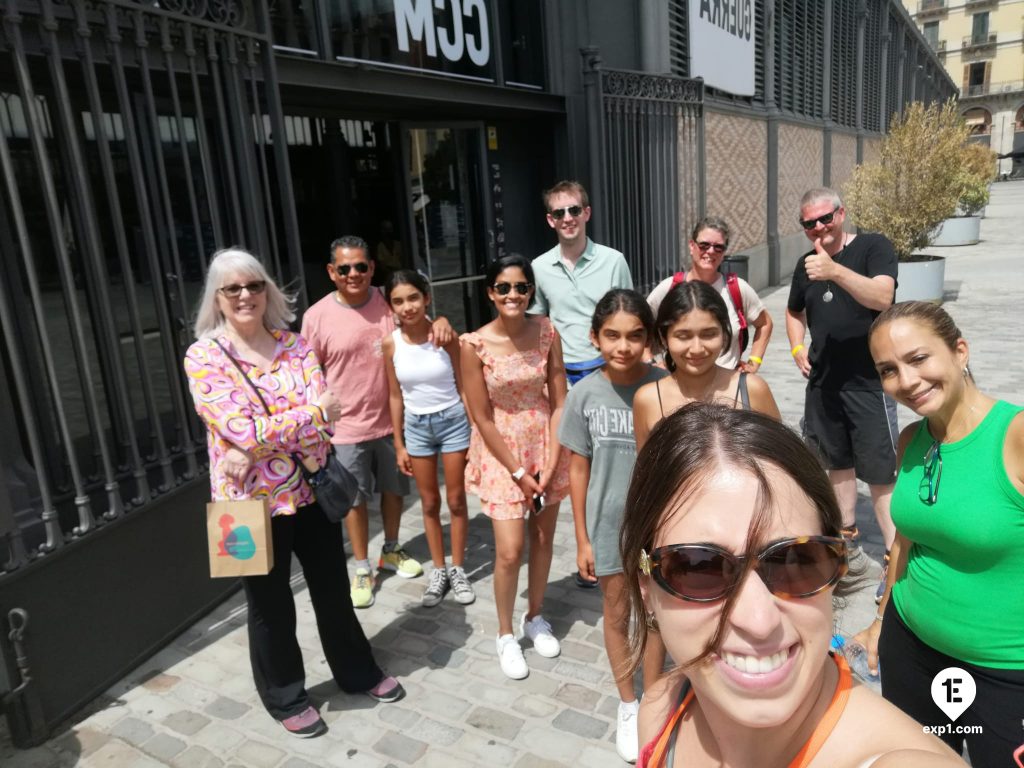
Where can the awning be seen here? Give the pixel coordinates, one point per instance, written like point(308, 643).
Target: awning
point(975, 121)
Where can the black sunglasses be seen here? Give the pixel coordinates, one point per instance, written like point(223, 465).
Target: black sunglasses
point(705, 246)
point(361, 267)
point(825, 219)
point(503, 289)
point(928, 489)
point(234, 290)
point(559, 213)
point(704, 573)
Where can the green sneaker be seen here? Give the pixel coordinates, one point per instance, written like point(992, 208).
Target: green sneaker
point(398, 561)
point(362, 589)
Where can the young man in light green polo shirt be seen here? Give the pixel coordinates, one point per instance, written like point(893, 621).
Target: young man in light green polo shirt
point(574, 275)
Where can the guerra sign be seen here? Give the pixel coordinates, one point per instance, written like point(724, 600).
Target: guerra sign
point(469, 33)
point(722, 44)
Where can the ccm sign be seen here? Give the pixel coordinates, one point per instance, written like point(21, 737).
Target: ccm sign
point(469, 33)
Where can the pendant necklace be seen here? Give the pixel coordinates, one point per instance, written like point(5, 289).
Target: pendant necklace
point(828, 295)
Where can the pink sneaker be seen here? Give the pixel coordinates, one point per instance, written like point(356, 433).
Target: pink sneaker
point(388, 690)
point(306, 725)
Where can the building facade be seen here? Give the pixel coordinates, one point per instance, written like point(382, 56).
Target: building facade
point(981, 44)
point(136, 138)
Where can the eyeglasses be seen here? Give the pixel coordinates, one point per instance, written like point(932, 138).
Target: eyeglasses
point(705, 246)
point(362, 267)
point(234, 290)
point(928, 489)
point(704, 573)
point(559, 213)
point(826, 219)
point(503, 289)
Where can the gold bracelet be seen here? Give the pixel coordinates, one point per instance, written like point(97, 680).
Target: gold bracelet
point(796, 349)
point(878, 618)
point(756, 359)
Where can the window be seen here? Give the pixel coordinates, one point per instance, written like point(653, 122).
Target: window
point(979, 27)
point(931, 33)
point(976, 75)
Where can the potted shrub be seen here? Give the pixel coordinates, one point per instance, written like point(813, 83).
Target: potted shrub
point(911, 188)
point(977, 172)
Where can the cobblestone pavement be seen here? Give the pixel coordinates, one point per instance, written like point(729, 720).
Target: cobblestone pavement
point(193, 705)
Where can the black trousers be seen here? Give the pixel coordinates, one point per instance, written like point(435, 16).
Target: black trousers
point(908, 667)
point(273, 649)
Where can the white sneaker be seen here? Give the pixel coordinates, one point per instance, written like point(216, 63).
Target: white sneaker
point(539, 632)
point(626, 740)
point(510, 654)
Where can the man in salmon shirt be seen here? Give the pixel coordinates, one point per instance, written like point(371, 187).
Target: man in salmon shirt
point(346, 329)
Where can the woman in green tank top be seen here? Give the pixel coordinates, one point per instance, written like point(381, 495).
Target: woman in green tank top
point(955, 597)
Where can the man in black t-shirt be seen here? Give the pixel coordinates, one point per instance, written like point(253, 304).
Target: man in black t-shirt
point(838, 289)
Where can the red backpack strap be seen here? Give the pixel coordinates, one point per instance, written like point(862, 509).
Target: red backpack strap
point(732, 282)
point(677, 278)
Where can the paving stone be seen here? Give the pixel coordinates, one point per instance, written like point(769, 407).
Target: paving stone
point(197, 757)
point(583, 725)
point(581, 672)
point(578, 696)
point(82, 741)
point(487, 751)
point(400, 717)
point(494, 722)
point(185, 722)
point(436, 758)
point(295, 762)
point(116, 754)
point(164, 746)
point(420, 625)
point(534, 706)
point(440, 703)
point(132, 730)
point(218, 738)
point(434, 732)
point(531, 760)
point(160, 682)
point(446, 656)
point(581, 652)
point(259, 755)
point(226, 709)
point(400, 747)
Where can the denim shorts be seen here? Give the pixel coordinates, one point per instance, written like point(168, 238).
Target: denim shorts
point(444, 431)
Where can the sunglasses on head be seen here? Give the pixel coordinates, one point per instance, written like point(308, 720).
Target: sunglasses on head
point(503, 289)
point(705, 246)
point(361, 267)
point(704, 573)
point(234, 290)
point(825, 219)
point(559, 213)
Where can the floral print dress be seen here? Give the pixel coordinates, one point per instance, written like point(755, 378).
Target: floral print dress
point(517, 388)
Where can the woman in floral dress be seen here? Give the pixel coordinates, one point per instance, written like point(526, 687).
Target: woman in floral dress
point(514, 381)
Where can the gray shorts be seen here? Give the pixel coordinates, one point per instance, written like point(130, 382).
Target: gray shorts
point(373, 460)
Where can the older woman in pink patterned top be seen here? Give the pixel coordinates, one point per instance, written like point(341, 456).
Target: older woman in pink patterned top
point(241, 327)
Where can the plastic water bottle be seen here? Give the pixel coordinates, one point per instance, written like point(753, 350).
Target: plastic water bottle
point(857, 657)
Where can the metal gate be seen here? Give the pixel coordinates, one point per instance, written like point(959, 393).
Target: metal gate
point(647, 145)
point(135, 139)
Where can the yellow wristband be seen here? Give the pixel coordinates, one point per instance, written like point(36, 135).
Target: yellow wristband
point(796, 349)
point(756, 359)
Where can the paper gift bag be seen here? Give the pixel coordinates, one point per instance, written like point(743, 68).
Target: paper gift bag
point(240, 540)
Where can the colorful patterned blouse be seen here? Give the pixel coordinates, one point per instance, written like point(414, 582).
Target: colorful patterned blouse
point(234, 416)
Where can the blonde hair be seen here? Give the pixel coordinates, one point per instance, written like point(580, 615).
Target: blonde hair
point(210, 320)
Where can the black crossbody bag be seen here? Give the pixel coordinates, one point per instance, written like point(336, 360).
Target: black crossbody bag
point(334, 486)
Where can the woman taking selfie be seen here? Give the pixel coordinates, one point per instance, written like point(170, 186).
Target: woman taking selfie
point(732, 550)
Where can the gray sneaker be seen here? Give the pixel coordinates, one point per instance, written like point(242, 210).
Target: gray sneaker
point(436, 589)
point(461, 587)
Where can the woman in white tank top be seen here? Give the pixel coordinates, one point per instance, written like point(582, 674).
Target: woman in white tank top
point(429, 418)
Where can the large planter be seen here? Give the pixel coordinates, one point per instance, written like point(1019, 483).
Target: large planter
point(961, 230)
point(921, 279)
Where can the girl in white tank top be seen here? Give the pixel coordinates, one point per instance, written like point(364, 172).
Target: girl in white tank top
point(429, 418)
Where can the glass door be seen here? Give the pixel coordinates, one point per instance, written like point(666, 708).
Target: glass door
point(447, 225)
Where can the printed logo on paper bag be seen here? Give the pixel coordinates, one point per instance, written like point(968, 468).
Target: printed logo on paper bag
point(235, 542)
